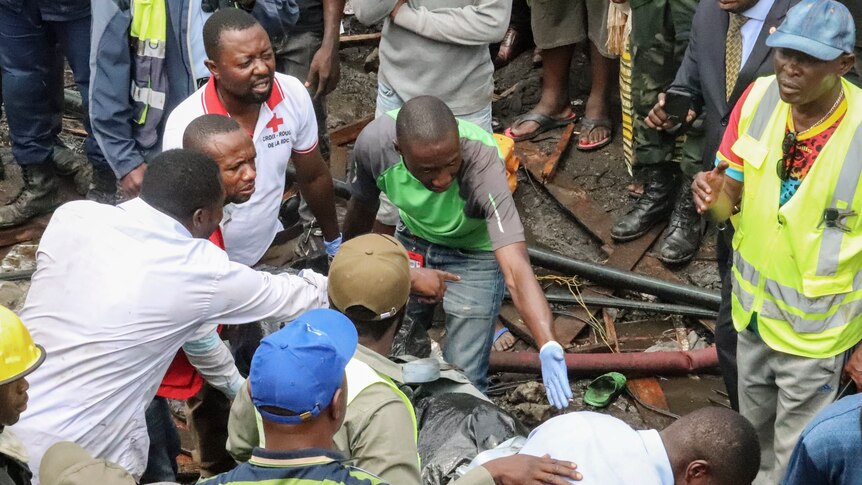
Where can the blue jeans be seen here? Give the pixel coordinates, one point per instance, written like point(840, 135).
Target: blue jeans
point(164, 443)
point(388, 99)
point(471, 304)
point(31, 60)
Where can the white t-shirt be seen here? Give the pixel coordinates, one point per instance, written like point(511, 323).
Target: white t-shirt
point(286, 125)
point(117, 291)
point(606, 449)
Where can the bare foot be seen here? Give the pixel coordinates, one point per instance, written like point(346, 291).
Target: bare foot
point(504, 341)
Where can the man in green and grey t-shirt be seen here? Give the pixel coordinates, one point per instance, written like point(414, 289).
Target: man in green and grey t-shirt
point(447, 179)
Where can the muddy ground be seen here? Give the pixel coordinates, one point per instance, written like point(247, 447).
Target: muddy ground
point(602, 173)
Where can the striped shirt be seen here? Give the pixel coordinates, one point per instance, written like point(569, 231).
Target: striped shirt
point(303, 467)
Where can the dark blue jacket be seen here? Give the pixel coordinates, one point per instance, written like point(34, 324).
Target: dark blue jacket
point(111, 68)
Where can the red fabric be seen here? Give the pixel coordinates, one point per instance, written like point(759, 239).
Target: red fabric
point(181, 380)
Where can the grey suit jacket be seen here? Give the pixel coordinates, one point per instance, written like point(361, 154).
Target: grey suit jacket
point(702, 71)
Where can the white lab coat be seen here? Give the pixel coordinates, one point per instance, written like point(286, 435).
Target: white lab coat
point(117, 291)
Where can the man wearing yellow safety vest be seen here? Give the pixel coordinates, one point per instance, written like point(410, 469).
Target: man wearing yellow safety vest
point(19, 356)
point(369, 281)
point(788, 177)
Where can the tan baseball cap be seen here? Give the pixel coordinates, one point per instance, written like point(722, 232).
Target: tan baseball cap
point(67, 463)
point(372, 271)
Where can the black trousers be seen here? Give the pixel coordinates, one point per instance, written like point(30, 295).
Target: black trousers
point(725, 334)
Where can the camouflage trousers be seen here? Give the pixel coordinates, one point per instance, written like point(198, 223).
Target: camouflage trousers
point(660, 32)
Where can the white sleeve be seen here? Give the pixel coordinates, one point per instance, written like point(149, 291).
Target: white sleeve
point(174, 129)
point(211, 357)
point(243, 295)
point(306, 132)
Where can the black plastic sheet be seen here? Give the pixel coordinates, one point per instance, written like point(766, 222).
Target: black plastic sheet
point(454, 428)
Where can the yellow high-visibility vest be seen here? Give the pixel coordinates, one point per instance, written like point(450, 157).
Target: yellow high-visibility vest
point(800, 275)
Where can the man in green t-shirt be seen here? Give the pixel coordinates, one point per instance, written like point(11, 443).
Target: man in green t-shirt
point(447, 179)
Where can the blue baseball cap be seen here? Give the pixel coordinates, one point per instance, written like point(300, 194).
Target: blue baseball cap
point(298, 369)
point(823, 29)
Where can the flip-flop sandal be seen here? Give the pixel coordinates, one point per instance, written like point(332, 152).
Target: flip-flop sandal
point(546, 123)
point(587, 126)
point(604, 389)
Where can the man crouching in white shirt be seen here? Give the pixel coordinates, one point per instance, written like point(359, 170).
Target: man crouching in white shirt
point(118, 290)
point(711, 446)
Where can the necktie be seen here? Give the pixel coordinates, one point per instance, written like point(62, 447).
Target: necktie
point(733, 51)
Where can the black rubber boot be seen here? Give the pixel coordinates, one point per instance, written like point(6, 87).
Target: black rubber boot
point(683, 233)
point(75, 165)
point(39, 196)
point(104, 187)
point(660, 185)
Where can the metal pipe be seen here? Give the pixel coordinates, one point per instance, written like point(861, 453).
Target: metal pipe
point(630, 364)
point(16, 275)
point(617, 278)
point(647, 306)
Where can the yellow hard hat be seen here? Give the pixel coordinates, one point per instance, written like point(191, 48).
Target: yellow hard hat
point(19, 356)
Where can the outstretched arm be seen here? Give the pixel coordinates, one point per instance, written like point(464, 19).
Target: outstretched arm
point(534, 310)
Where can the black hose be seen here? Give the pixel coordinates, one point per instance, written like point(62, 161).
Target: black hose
point(647, 306)
point(628, 280)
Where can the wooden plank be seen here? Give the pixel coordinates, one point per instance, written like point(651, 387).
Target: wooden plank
point(627, 255)
point(338, 157)
point(359, 39)
point(648, 391)
point(553, 161)
point(28, 232)
point(566, 328)
point(512, 320)
point(347, 134)
point(610, 330)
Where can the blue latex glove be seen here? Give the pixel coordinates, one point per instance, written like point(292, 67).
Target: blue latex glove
point(332, 246)
point(555, 375)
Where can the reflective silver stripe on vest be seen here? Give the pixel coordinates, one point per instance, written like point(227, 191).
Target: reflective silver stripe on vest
point(845, 190)
point(840, 318)
point(748, 273)
point(151, 48)
point(764, 110)
point(792, 298)
point(152, 98)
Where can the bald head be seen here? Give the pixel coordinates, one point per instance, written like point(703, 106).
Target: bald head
point(223, 139)
point(424, 120)
point(712, 445)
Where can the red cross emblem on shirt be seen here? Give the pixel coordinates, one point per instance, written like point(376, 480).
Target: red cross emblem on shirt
point(274, 123)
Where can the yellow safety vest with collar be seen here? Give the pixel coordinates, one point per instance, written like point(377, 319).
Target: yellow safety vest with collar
point(360, 376)
point(800, 275)
point(148, 36)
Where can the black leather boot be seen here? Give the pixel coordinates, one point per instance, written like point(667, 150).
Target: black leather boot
point(104, 187)
point(683, 233)
point(39, 196)
point(660, 185)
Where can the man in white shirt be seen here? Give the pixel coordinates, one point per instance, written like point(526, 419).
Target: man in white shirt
point(118, 290)
point(277, 112)
point(713, 446)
